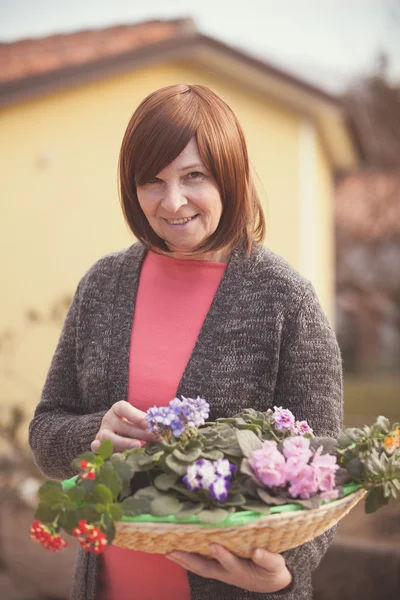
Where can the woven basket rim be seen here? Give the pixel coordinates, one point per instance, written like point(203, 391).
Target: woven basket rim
point(262, 520)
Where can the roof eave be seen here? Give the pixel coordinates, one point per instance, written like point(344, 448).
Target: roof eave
point(315, 104)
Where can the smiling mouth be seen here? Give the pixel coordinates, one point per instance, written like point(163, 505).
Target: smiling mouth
point(180, 221)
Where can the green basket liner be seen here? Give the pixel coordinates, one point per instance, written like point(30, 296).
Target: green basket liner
point(237, 518)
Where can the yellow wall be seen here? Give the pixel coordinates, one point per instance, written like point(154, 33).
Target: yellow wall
point(325, 242)
point(60, 208)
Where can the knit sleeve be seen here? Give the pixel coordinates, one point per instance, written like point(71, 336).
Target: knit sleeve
point(59, 430)
point(310, 384)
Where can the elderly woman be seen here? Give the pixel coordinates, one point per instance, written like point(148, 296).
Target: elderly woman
point(196, 307)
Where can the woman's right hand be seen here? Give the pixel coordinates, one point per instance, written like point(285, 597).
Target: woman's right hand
point(125, 426)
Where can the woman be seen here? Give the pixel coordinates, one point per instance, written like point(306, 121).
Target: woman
point(196, 307)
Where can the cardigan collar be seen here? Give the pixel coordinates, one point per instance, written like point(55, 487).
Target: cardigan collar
point(239, 266)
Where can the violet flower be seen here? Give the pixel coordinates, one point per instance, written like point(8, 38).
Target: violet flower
point(283, 418)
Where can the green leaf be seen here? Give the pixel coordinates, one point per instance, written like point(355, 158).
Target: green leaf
point(109, 530)
point(257, 507)
point(76, 493)
point(309, 502)
point(248, 441)
point(68, 521)
point(246, 469)
point(270, 499)
point(101, 508)
point(105, 449)
point(131, 507)
point(149, 492)
point(213, 516)
point(374, 500)
point(212, 454)
point(88, 485)
point(102, 494)
point(188, 509)
point(165, 505)
point(124, 469)
point(235, 500)
point(51, 492)
point(175, 466)
point(187, 457)
point(88, 512)
point(45, 514)
point(328, 444)
point(110, 479)
point(382, 424)
point(183, 491)
point(145, 460)
point(165, 480)
point(116, 512)
point(355, 469)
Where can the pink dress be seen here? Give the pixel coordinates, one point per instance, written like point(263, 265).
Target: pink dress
point(172, 302)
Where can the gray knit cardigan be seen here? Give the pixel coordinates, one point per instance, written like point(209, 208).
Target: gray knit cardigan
point(264, 342)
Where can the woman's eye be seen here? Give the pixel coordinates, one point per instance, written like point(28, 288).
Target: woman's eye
point(154, 180)
point(195, 175)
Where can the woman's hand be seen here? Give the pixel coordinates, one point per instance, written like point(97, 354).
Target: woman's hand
point(265, 573)
point(125, 426)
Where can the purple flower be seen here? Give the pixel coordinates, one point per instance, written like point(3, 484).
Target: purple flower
point(219, 489)
point(302, 427)
point(206, 471)
point(177, 416)
point(214, 477)
point(297, 446)
point(200, 409)
point(224, 468)
point(192, 479)
point(269, 464)
point(283, 418)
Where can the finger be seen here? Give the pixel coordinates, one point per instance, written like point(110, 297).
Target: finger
point(196, 563)
point(133, 415)
point(125, 429)
point(269, 561)
point(118, 442)
point(229, 561)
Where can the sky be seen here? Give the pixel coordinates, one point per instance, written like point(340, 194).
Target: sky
point(328, 42)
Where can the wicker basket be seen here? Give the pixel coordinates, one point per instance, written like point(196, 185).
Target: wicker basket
point(276, 533)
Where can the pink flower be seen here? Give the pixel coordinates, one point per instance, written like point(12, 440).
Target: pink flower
point(297, 446)
point(294, 465)
point(302, 427)
point(303, 483)
point(269, 464)
point(284, 419)
point(327, 483)
point(330, 495)
point(324, 466)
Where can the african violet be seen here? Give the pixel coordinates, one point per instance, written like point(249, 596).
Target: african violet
point(251, 462)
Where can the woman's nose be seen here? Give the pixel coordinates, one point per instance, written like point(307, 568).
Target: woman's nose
point(173, 199)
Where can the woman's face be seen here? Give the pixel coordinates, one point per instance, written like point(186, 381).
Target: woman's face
point(182, 203)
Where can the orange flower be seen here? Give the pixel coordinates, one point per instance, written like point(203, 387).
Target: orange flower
point(391, 443)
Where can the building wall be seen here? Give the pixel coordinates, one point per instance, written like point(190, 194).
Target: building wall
point(60, 208)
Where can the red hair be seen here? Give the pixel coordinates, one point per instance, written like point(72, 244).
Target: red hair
point(158, 131)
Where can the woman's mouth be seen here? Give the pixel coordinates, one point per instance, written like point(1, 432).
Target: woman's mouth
point(180, 222)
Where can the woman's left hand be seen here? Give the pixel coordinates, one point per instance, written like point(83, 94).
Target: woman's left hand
point(266, 572)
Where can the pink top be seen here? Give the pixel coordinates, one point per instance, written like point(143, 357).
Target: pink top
point(172, 302)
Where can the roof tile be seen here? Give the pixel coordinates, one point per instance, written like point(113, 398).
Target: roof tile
point(31, 57)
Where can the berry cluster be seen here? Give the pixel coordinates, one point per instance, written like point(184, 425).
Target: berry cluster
point(89, 470)
point(90, 537)
point(47, 537)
